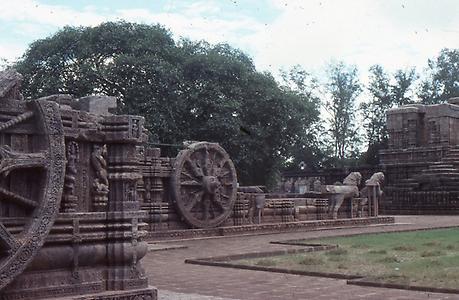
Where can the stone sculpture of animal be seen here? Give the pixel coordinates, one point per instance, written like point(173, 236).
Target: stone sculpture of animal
point(338, 193)
point(377, 180)
point(373, 191)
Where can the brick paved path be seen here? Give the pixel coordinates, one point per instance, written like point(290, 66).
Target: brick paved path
point(168, 272)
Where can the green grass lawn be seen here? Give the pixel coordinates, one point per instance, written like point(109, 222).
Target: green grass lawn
point(427, 258)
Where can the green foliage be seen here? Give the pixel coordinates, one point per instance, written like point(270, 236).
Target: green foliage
point(442, 80)
point(343, 88)
point(266, 262)
point(404, 248)
point(385, 93)
point(186, 90)
point(3, 64)
point(389, 259)
point(307, 148)
point(338, 251)
point(311, 260)
point(429, 253)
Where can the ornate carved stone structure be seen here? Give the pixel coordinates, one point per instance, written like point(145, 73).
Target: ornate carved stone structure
point(204, 184)
point(422, 161)
point(197, 189)
point(70, 219)
point(80, 188)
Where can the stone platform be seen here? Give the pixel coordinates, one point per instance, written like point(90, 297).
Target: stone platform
point(141, 294)
point(267, 228)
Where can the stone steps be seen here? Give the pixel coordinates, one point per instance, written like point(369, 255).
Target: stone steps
point(453, 160)
point(450, 171)
point(442, 176)
point(439, 173)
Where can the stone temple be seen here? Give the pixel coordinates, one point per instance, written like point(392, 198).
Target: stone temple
point(81, 191)
point(422, 160)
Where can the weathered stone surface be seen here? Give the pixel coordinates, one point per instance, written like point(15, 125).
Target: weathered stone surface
point(89, 245)
point(100, 105)
point(10, 82)
point(422, 162)
point(252, 204)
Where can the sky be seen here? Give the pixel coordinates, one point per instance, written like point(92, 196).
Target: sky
point(276, 34)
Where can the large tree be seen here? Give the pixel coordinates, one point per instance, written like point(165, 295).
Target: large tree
point(343, 88)
point(442, 80)
point(385, 92)
point(186, 90)
point(307, 151)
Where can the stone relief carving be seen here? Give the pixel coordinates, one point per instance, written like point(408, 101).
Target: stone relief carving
point(70, 200)
point(100, 185)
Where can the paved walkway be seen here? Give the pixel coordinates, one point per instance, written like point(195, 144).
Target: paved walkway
point(177, 280)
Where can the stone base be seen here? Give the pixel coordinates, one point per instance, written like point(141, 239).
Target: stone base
point(266, 228)
point(420, 203)
point(149, 293)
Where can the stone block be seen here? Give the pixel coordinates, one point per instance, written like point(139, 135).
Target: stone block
point(100, 105)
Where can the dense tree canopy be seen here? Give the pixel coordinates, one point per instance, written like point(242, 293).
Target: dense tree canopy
point(343, 88)
point(186, 90)
point(385, 92)
point(307, 151)
point(442, 80)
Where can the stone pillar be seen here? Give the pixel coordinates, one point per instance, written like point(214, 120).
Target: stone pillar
point(123, 135)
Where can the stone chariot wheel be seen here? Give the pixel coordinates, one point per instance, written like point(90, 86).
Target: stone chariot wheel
point(204, 184)
point(32, 166)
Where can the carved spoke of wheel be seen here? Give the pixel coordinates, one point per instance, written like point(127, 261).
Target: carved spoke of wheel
point(204, 184)
point(7, 241)
point(32, 166)
point(18, 199)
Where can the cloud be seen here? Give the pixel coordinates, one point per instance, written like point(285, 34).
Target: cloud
point(312, 33)
point(393, 33)
point(32, 11)
point(208, 7)
point(11, 52)
point(200, 20)
point(196, 22)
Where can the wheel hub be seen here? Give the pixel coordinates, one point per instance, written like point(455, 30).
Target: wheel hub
point(210, 184)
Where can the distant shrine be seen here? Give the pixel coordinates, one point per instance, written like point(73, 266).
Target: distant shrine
point(422, 160)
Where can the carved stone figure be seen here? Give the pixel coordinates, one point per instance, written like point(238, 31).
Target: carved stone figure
point(131, 194)
point(288, 185)
point(338, 193)
point(71, 170)
point(100, 186)
point(257, 201)
point(317, 185)
point(70, 200)
point(375, 180)
point(301, 185)
point(373, 192)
